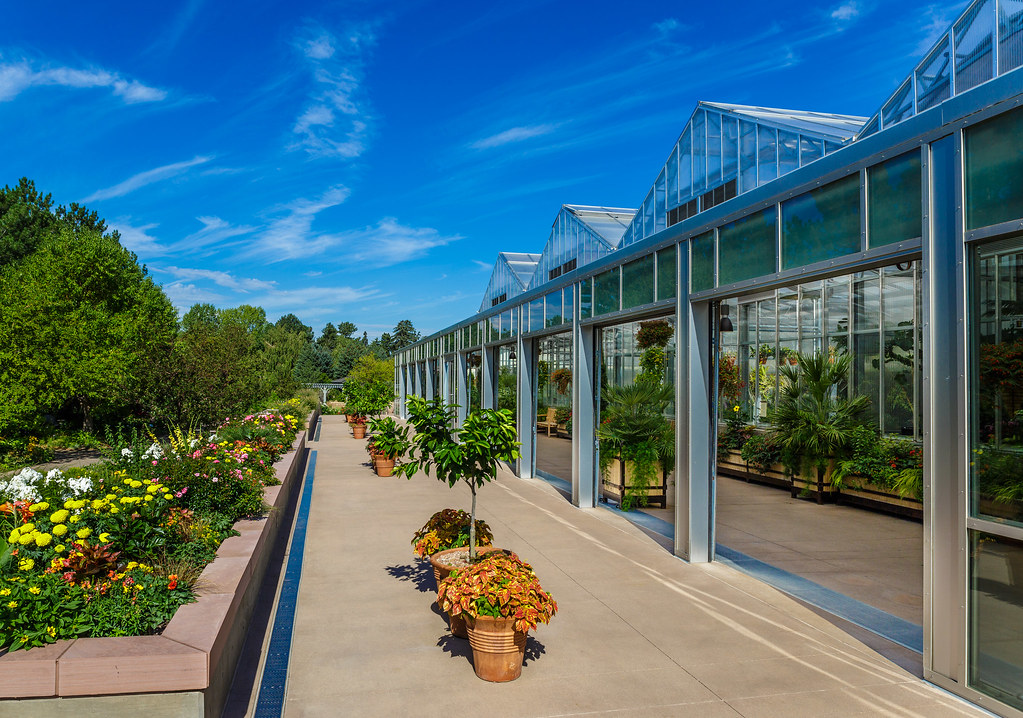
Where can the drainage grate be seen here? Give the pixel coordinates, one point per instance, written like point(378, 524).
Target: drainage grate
point(270, 703)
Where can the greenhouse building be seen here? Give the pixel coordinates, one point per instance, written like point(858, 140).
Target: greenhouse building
point(801, 354)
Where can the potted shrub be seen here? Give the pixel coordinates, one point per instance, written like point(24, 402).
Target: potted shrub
point(390, 440)
point(637, 439)
point(813, 424)
point(501, 600)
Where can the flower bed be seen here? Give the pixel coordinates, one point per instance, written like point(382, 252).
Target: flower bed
point(198, 648)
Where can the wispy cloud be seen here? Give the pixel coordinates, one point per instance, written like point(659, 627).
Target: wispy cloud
point(145, 178)
point(390, 242)
point(137, 239)
point(214, 232)
point(221, 279)
point(667, 26)
point(515, 134)
point(936, 20)
point(483, 266)
point(846, 11)
point(16, 77)
point(334, 121)
point(292, 235)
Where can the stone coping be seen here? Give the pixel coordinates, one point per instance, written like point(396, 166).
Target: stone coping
point(187, 656)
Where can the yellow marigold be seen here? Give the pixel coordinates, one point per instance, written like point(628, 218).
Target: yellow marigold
point(59, 530)
point(13, 538)
point(127, 481)
point(84, 533)
point(74, 519)
point(59, 517)
point(168, 496)
point(26, 564)
point(35, 508)
point(98, 504)
point(136, 484)
point(152, 489)
point(148, 497)
point(59, 548)
point(104, 537)
point(114, 509)
point(131, 565)
point(35, 590)
point(110, 497)
point(43, 540)
point(26, 539)
point(28, 528)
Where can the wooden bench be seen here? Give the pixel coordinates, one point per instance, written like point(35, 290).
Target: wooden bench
point(550, 423)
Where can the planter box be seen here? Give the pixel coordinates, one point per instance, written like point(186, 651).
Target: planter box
point(185, 671)
point(618, 478)
point(314, 417)
point(867, 495)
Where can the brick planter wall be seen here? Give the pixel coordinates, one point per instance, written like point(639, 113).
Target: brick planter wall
point(185, 671)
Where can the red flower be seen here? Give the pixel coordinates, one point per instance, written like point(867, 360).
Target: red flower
point(173, 582)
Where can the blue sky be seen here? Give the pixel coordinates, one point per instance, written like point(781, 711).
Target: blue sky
point(366, 161)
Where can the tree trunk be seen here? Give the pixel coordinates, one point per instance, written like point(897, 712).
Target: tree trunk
point(472, 525)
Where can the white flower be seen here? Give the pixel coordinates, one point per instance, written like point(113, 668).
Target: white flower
point(54, 475)
point(155, 451)
point(126, 453)
point(79, 486)
point(22, 486)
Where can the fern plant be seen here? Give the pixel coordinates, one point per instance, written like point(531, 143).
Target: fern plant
point(634, 429)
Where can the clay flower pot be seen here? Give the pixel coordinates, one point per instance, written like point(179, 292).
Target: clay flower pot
point(384, 466)
point(359, 431)
point(497, 648)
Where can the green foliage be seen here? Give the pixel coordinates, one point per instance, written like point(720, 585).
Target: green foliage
point(761, 452)
point(313, 365)
point(80, 326)
point(655, 333)
point(634, 429)
point(893, 464)
point(813, 425)
point(293, 325)
point(469, 455)
point(449, 529)
point(389, 436)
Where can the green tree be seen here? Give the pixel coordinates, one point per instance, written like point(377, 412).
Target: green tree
point(328, 338)
point(313, 365)
point(403, 335)
point(294, 325)
point(281, 348)
point(346, 330)
point(346, 353)
point(80, 322)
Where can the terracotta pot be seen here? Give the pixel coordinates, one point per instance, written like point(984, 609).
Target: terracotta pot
point(384, 465)
point(442, 571)
point(359, 431)
point(497, 648)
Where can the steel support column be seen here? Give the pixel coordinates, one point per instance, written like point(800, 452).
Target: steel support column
point(584, 471)
point(526, 419)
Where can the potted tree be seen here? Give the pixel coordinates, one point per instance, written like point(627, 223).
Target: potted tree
point(390, 440)
point(501, 600)
point(813, 424)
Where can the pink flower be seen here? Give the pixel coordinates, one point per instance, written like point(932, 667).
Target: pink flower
point(154, 462)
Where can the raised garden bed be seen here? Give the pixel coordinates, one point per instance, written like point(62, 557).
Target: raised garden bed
point(618, 479)
point(188, 668)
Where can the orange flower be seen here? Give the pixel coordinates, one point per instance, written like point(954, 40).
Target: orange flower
point(172, 583)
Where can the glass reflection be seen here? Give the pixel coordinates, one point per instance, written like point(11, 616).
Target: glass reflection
point(554, 406)
point(507, 378)
point(996, 617)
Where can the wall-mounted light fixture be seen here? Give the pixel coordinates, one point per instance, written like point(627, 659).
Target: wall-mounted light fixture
point(725, 323)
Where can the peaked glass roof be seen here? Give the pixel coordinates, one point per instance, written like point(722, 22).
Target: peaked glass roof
point(984, 42)
point(579, 236)
point(726, 150)
point(511, 275)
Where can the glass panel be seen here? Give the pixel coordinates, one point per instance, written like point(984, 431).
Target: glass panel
point(660, 213)
point(994, 170)
point(810, 149)
point(900, 106)
point(788, 152)
point(554, 406)
point(729, 147)
point(699, 153)
point(507, 378)
point(648, 215)
point(685, 167)
point(788, 325)
point(713, 149)
point(666, 273)
point(747, 248)
point(585, 299)
point(866, 371)
point(567, 301)
point(1010, 35)
point(747, 156)
point(821, 224)
point(495, 327)
point(702, 262)
point(837, 313)
point(536, 315)
point(996, 328)
point(638, 282)
point(996, 617)
point(553, 317)
point(973, 37)
point(605, 292)
point(894, 194)
point(810, 318)
point(899, 360)
point(767, 149)
point(866, 300)
point(748, 357)
point(672, 186)
point(871, 127)
point(766, 351)
point(934, 78)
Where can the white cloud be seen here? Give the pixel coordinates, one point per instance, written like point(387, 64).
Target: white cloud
point(16, 77)
point(138, 239)
point(334, 121)
point(292, 234)
point(938, 20)
point(846, 11)
point(389, 242)
point(183, 295)
point(145, 178)
point(221, 279)
point(667, 25)
point(515, 134)
point(214, 232)
point(483, 266)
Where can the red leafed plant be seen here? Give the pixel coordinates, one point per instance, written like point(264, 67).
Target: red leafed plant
point(449, 529)
point(499, 585)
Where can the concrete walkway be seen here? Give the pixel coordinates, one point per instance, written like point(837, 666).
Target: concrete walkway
point(638, 633)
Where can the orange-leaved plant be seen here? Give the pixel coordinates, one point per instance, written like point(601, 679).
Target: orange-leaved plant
point(449, 529)
point(499, 585)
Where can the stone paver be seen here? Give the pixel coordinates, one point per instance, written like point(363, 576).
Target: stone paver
point(638, 633)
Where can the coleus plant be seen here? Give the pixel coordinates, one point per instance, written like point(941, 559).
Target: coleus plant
point(499, 585)
point(448, 529)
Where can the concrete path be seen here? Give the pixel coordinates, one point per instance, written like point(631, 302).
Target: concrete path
point(638, 633)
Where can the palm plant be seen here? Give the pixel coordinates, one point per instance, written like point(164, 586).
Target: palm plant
point(813, 424)
point(635, 429)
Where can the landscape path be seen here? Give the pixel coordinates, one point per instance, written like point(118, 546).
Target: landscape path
point(638, 631)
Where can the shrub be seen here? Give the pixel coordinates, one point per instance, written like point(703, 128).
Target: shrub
point(760, 452)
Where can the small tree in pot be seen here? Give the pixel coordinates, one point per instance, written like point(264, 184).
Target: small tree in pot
point(470, 454)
